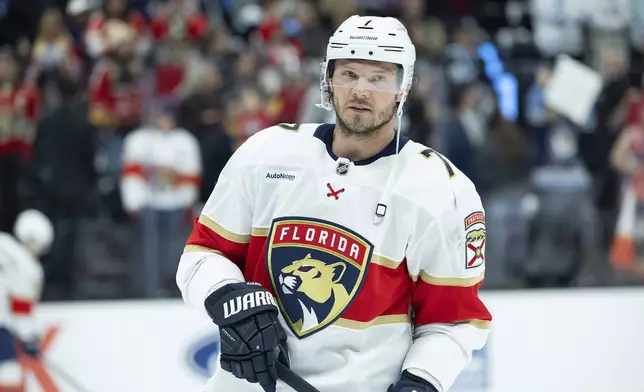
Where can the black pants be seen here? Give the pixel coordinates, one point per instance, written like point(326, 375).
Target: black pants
point(61, 262)
point(9, 198)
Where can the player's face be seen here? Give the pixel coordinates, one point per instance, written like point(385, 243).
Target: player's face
point(364, 95)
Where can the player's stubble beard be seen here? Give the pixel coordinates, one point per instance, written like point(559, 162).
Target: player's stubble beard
point(366, 125)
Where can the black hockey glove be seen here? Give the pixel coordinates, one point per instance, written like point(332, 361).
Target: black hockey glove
point(410, 383)
point(250, 334)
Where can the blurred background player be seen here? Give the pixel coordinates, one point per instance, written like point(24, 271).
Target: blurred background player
point(21, 283)
point(160, 183)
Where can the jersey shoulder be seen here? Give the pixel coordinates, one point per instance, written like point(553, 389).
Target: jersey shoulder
point(139, 137)
point(16, 250)
point(274, 143)
point(434, 182)
point(184, 138)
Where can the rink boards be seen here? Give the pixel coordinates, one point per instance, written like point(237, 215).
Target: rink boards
point(555, 341)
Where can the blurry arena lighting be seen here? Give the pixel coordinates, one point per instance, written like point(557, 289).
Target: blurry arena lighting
point(504, 83)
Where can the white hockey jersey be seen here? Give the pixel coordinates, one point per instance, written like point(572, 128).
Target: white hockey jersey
point(360, 301)
point(21, 283)
point(161, 169)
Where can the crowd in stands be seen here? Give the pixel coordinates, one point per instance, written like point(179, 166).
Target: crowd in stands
point(117, 116)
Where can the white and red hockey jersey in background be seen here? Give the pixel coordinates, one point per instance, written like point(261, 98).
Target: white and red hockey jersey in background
point(161, 169)
point(21, 284)
point(359, 300)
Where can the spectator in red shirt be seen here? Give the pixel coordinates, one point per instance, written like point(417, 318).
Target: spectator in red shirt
point(96, 35)
point(18, 111)
point(115, 90)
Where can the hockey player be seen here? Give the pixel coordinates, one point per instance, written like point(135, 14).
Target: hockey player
point(346, 251)
point(21, 280)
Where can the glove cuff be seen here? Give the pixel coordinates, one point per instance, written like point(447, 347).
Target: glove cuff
point(407, 376)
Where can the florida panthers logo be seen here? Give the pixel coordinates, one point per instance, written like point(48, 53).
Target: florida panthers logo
point(316, 269)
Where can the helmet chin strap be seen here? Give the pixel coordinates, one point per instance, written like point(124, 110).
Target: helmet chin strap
point(381, 207)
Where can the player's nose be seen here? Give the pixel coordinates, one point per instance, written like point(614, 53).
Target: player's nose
point(361, 88)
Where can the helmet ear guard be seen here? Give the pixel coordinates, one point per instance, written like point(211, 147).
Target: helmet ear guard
point(325, 87)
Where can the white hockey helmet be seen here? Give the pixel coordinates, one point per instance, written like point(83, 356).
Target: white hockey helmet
point(34, 230)
point(370, 38)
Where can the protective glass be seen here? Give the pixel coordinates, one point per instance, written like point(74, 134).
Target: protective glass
point(384, 82)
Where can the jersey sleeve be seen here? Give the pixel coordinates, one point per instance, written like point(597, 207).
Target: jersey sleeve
point(24, 277)
point(215, 252)
point(134, 187)
point(446, 259)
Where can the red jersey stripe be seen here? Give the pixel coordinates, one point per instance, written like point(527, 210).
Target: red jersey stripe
point(22, 307)
point(385, 291)
point(130, 170)
point(203, 235)
point(447, 304)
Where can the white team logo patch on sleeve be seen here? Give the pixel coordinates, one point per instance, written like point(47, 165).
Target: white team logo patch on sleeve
point(474, 240)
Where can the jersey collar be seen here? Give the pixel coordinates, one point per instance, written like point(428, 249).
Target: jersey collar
point(324, 132)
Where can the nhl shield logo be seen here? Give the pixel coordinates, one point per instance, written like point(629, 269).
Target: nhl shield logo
point(316, 268)
point(342, 168)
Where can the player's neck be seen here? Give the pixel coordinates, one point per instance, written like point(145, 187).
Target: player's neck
point(356, 148)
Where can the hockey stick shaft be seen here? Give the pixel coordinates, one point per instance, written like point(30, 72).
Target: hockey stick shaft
point(293, 380)
point(66, 377)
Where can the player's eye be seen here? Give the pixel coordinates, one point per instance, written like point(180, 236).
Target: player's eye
point(349, 74)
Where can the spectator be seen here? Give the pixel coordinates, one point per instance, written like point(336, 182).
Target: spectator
point(18, 114)
point(203, 114)
point(539, 118)
point(627, 157)
point(79, 12)
point(160, 184)
point(466, 132)
point(179, 21)
point(200, 109)
point(64, 153)
point(419, 114)
point(462, 64)
point(53, 44)
point(98, 34)
point(53, 49)
point(248, 114)
point(505, 159)
point(312, 35)
point(115, 84)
